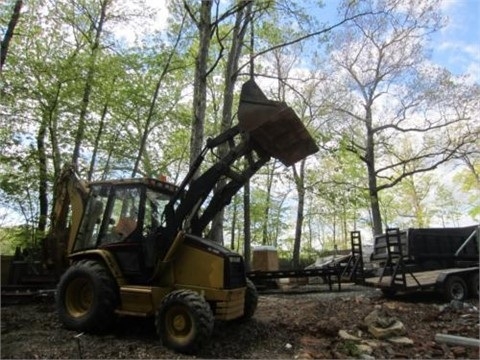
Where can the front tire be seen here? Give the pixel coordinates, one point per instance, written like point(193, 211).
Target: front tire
point(184, 321)
point(455, 288)
point(86, 297)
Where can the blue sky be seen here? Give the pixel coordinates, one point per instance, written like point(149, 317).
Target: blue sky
point(457, 46)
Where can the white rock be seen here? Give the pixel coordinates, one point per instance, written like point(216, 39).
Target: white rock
point(401, 340)
point(346, 336)
point(364, 349)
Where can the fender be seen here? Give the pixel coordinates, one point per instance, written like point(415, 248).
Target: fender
point(106, 257)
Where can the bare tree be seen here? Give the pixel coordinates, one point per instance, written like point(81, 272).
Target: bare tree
point(383, 92)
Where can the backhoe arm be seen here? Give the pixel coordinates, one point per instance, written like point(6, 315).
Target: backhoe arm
point(70, 195)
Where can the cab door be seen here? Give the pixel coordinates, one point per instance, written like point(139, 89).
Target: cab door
point(122, 227)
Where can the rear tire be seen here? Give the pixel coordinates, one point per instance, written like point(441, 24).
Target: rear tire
point(455, 288)
point(86, 297)
point(184, 321)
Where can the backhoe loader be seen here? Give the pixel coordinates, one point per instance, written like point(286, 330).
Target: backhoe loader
point(136, 245)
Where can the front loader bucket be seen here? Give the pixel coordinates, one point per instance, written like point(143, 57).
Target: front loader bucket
point(273, 126)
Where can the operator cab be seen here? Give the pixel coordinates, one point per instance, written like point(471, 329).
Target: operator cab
point(124, 217)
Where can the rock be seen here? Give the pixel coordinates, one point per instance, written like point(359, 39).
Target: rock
point(366, 357)
point(304, 355)
point(456, 305)
point(346, 336)
point(382, 326)
point(458, 351)
point(442, 308)
point(373, 343)
point(396, 329)
point(311, 342)
point(391, 305)
point(401, 340)
point(379, 318)
point(364, 349)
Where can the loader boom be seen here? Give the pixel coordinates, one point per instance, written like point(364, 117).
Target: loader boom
point(266, 129)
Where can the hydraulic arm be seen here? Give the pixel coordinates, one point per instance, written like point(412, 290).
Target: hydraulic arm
point(266, 129)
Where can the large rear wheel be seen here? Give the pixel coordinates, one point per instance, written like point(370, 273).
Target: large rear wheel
point(184, 321)
point(86, 297)
point(455, 288)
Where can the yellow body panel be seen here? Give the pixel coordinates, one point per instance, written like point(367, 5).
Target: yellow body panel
point(196, 267)
point(145, 300)
point(141, 300)
point(188, 268)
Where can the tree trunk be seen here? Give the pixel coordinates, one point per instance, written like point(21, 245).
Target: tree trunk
point(234, 225)
point(49, 120)
point(299, 177)
point(97, 141)
point(88, 83)
point(266, 212)
point(372, 176)
point(200, 81)
point(231, 74)
point(42, 181)
point(246, 225)
point(9, 32)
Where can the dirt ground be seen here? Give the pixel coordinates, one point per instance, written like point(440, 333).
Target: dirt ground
point(300, 325)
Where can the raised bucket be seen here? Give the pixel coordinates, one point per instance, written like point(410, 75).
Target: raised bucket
point(273, 126)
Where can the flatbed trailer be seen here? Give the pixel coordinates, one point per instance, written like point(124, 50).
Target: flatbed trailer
point(432, 280)
point(454, 283)
point(327, 273)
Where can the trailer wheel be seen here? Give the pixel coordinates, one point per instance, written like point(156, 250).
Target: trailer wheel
point(473, 285)
point(389, 293)
point(455, 288)
point(86, 297)
point(184, 321)
point(251, 301)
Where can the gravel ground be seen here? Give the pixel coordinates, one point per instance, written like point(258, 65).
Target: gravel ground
point(303, 324)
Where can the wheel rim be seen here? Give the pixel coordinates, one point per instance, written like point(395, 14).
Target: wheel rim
point(79, 297)
point(457, 291)
point(178, 324)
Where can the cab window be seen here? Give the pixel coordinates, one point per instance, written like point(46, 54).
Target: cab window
point(122, 216)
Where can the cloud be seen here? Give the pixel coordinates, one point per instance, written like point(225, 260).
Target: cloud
point(156, 20)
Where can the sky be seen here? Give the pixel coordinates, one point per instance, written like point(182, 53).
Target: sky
point(456, 47)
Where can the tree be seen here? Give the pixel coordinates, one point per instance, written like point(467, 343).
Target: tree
point(95, 26)
point(4, 44)
point(384, 92)
point(242, 20)
point(204, 26)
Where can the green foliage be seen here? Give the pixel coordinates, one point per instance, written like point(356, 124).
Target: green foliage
point(43, 84)
point(12, 238)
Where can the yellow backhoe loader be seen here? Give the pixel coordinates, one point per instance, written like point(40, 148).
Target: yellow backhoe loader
point(136, 246)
